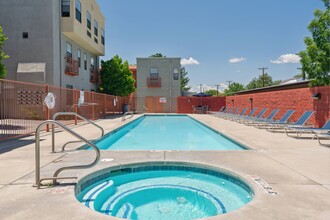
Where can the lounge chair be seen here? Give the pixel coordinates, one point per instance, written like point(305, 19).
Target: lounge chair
point(268, 119)
point(222, 109)
point(238, 119)
point(323, 136)
point(299, 123)
point(232, 117)
point(300, 130)
point(283, 120)
point(228, 110)
point(246, 120)
point(233, 113)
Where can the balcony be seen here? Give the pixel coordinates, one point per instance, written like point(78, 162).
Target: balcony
point(154, 82)
point(71, 67)
point(94, 77)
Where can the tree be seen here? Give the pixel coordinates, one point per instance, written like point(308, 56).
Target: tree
point(2, 55)
point(233, 87)
point(262, 81)
point(212, 92)
point(116, 78)
point(184, 80)
point(157, 55)
point(315, 60)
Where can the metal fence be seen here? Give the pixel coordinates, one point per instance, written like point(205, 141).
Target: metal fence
point(22, 108)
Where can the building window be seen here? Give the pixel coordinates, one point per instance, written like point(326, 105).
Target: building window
point(68, 50)
point(25, 35)
point(78, 10)
point(102, 36)
point(96, 40)
point(85, 61)
point(65, 6)
point(89, 20)
point(89, 34)
point(176, 74)
point(96, 26)
point(153, 73)
point(79, 57)
point(92, 64)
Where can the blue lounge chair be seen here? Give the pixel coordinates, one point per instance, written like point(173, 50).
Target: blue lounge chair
point(233, 113)
point(238, 119)
point(322, 135)
point(283, 120)
point(228, 110)
point(299, 123)
point(268, 119)
point(232, 117)
point(259, 116)
point(222, 109)
point(300, 130)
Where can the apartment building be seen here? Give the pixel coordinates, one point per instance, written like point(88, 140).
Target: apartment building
point(158, 84)
point(53, 42)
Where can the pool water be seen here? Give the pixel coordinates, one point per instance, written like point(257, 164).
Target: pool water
point(166, 132)
point(170, 194)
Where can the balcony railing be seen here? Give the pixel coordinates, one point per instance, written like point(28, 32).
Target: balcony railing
point(94, 77)
point(154, 82)
point(71, 67)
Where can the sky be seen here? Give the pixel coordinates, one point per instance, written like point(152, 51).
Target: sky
point(218, 40)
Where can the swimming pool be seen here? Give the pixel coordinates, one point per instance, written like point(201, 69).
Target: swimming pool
point(166, 132)
point(159, 191)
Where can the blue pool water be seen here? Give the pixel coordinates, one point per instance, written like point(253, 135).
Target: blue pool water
point(165, 193)
point(177, 132)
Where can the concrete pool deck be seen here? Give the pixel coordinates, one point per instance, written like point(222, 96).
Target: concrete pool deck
point(298, 170)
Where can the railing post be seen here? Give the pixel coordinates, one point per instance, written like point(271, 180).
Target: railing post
point(47, 116)
point(93, 106)
point(75, 100)
point(105, 105)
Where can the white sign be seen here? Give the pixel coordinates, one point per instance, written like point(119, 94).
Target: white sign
point(162, 100)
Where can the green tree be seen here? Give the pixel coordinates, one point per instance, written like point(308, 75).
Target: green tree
point(232, 88)
point(265, 80)
point(212, 92)
point(184, 80)
point(116, 78)
point(315, 60)
point(2, 55)
point(157, 55)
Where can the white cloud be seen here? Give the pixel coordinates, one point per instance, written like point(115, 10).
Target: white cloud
point(236, 60)
point(190, 61)
point(287, 58)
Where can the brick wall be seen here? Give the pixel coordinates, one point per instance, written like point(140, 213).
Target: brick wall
point(298, 99)
point(185, 103)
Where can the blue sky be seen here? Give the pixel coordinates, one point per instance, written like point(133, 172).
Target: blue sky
point(220, 40)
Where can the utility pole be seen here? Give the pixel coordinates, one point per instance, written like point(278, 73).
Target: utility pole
point(200, 88)
point(263, 75)
point(229, 82)
point(302, 73)
point(217, 90)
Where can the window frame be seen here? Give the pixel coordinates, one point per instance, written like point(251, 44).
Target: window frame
point(176, 74)
point(68, 50)
point(65, 13)
point(154, 73)
point(78, 10)
point(85, 61)
point(102, 36)
point(89, 20)
point(96, 27)
point(79, 57)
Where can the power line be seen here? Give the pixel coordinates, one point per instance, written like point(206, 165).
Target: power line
point(263, 75)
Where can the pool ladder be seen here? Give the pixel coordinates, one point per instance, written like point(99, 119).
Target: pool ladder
point(127, 113)
point(55, 177)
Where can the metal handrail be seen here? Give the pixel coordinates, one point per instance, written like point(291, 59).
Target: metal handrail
point(37, 153)
point(72, 114)
point(127, 113)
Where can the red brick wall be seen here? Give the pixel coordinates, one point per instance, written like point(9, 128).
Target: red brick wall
point(185, 103)
point(298, 99)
